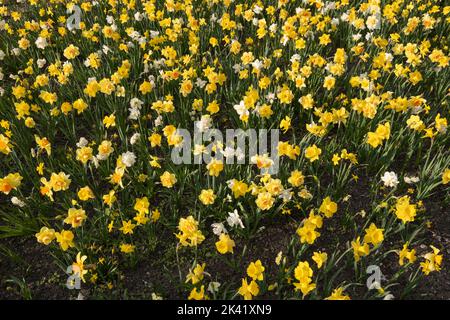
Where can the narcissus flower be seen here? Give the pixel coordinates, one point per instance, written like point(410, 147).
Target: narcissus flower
point(71, 52)
point(403, 254)
point(85, 193)
point(155, 215)
point(433, 261)
point(43, 144)
point(338, 294)
point(312, 153)
point(213, 107)
point(168, 179)
point(145, 87)
point(109, 121)
point(65, 239)
point(141, 205)
point(196, 275)
point(84, 154)
point(382, 132)
point(75, 217)
point(239, 188)
point(127, 248)
point(255, 270)
point(305, 287)
point(207, 197)
point(225, 244)
point(110, 198)
point(106, 86)
point(262, 161)
point(329, 82)
point(155, 139)
point(404, 210)
point(215, 167)
point(373, 235)
point(197, 295)
point(186, 87)
point(248, 290)
point(141, 218)
point(285, 95)
point(303, 274)
point(285, 124)
point(128, 159)
point(80, 105)
point(308, 233)
point(10, 182)
point(415, 123)
point(319, 258)
point(390, 179)
point(328, 207)
point(440, 123)
point(48, 97)
point(359, 250)
point(234, 219)
point(335, 159)
point(373, 139)
point(60, 181)
point(307, 101)
point(446, 176)
point(92, 88)
point(5, 145)
point(297, 178)
point(189, 234)
point(45, 235)
point(78, 266)
point(265, 201)
point(127, 227)
point(303, 271)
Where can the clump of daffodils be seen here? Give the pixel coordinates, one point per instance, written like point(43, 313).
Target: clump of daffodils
point(189, 234)
point(92, 113)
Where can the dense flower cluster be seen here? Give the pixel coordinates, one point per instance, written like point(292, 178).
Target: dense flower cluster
point(358, 89)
